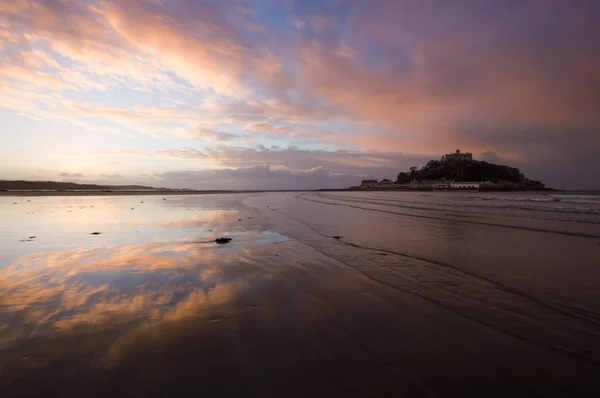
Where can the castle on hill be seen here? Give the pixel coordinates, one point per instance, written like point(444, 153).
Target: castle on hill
point(457, 171)
point(457, 156)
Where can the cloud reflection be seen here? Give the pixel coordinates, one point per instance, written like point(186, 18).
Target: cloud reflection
point(98, 287)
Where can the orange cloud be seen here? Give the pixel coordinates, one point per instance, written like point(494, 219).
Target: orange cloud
point(59, 290)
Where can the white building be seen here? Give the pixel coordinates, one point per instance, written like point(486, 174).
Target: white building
point(464, 185)
point(441, 184)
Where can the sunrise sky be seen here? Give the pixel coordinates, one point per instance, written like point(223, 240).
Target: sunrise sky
point(302, 94)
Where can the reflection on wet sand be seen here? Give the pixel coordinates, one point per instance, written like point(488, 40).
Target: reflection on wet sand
point(154, 307)
point(102, 285)
point(130, 315)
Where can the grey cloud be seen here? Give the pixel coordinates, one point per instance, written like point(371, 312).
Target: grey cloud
point(112, 176)
point(256, 177)
point(291, 168)
point(146, 176)
point(576, 172)
point(75, 175)
point(559, 157)
point(344, 162)
point(490, 156)
point(287, 168)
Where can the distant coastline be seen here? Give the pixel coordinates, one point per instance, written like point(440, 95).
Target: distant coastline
point(115, 193)
point(58, 188)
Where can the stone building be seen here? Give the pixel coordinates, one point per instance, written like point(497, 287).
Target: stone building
point(457, 156)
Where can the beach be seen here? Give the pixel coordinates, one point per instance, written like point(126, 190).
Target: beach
point(417, 294)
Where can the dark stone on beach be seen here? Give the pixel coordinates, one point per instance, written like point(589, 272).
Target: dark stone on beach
point(133, 208)
point(239, 219)
point(222, 241)
point(336, 237)
point(32, 237)
point(15, 203)
point(95, 233)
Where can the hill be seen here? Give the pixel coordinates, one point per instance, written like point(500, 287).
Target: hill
point(492, 175)
point(20, 185)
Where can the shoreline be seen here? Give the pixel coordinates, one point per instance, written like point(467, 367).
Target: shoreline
point(126, 193)
point(221, 192)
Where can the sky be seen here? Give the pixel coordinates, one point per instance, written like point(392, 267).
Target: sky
point(296, 94)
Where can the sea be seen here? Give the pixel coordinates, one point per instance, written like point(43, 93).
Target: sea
point(424, 294)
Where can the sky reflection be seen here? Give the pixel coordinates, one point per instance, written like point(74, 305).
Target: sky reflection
point(166, 265)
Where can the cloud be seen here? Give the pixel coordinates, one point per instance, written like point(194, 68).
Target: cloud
point(294, 158)
point(78, 175)
point(214, 136)
point(266, 127)
point(203, 43)
point(112, 176)
point(341, 168)
point(146, 176)
point(256, 177)
point(280, 168)
point(490, 156)
point(297, 130)
point(447, 78)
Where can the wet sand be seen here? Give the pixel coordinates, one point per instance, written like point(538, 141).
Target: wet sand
point(309, 299)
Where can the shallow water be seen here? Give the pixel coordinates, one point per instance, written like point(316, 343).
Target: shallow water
point(323, 294)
